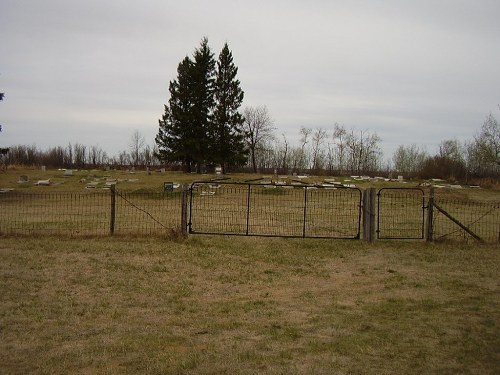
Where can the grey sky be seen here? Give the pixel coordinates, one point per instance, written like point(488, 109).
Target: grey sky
point(94, 71)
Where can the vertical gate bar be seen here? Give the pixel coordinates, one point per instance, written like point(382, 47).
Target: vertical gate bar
point(378, 214)
point(113, 210)
point(372, 214)
point(423, 215)
point(305, 213)
point(184, 210)
point(360, 195)
point(248, 209)
point(190, 220)
point(430, 215)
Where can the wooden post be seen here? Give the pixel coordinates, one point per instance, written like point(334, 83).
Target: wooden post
point(430, 216)
point(369, 214)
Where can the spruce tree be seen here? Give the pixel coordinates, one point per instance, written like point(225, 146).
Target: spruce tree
point(174, 138)
point(202, 92)
point(227, 136)
point(201, 123)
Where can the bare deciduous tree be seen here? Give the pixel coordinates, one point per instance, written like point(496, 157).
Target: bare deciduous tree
point(136, 145)
point(409, 159)
point(340, 148)
point(318, 139)
point(259, 130)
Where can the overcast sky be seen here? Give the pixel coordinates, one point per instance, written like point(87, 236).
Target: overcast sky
point(94, 71)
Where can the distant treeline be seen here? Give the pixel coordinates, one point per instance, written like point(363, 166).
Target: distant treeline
point(359, 156)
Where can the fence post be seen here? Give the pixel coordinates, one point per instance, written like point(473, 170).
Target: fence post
point(369, 214)
point(113, 210)
point(184, 210)
point(430, 216)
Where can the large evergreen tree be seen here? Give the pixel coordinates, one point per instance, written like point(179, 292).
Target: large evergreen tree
point(173, 138)
point(227, 141)
point(201, 123)
point(202, 92)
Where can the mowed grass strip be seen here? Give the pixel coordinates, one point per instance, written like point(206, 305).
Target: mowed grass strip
point(232, 305)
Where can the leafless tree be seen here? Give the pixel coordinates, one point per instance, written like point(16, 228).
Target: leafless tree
point(409, 159)
point(259, 130)
point(451, 149)
point(301, 157)
point(488, 140)
point(80, 155)
point(318, 140)
point(364, 151)
point(340, 147)
point(97, 156)
point(136, 146)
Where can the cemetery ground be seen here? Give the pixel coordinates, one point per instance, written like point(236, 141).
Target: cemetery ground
point(54, 180)
point(242, 305)
point(246, 305)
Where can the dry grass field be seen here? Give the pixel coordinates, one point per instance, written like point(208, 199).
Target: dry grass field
point(239, 305)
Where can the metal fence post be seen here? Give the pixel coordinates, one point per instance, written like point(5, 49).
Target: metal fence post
point(184, 210)
point(113, 210)
point(430, 216)
point(369, 214)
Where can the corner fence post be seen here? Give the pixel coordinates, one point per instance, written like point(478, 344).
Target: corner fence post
point(369, 214)
point(113, 210)
point(430, 216)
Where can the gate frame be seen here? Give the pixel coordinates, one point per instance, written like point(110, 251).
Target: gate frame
point(249, 185)
point(423, 233)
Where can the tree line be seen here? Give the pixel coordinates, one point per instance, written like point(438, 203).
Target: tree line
point(334, 151)
point(203, 126)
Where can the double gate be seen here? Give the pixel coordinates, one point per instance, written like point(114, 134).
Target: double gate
point(302, 211)
point(327, 212)
point(274, 210)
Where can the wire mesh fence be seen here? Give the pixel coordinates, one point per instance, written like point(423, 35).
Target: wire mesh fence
point(147, 212)
point(248, 209)
point(466, 220)
point(89, 213)
point(55, 213)
point(274, 210)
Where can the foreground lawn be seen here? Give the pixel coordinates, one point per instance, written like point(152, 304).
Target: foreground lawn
point(231, 305)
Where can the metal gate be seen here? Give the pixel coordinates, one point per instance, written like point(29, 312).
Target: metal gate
point(401, 213)
point(274, 210)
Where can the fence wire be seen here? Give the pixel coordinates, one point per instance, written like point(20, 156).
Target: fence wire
point(55, 213)
point(401, 213)
point(482, 218)
point(147, 212)
point(264, 210)
point(273, 210)
point(89, 213)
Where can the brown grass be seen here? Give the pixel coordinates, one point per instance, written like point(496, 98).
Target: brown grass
point(231, 305)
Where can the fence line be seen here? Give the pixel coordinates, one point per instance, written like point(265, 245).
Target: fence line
point(249, 209)
point(481, 220)
point(89, 213)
